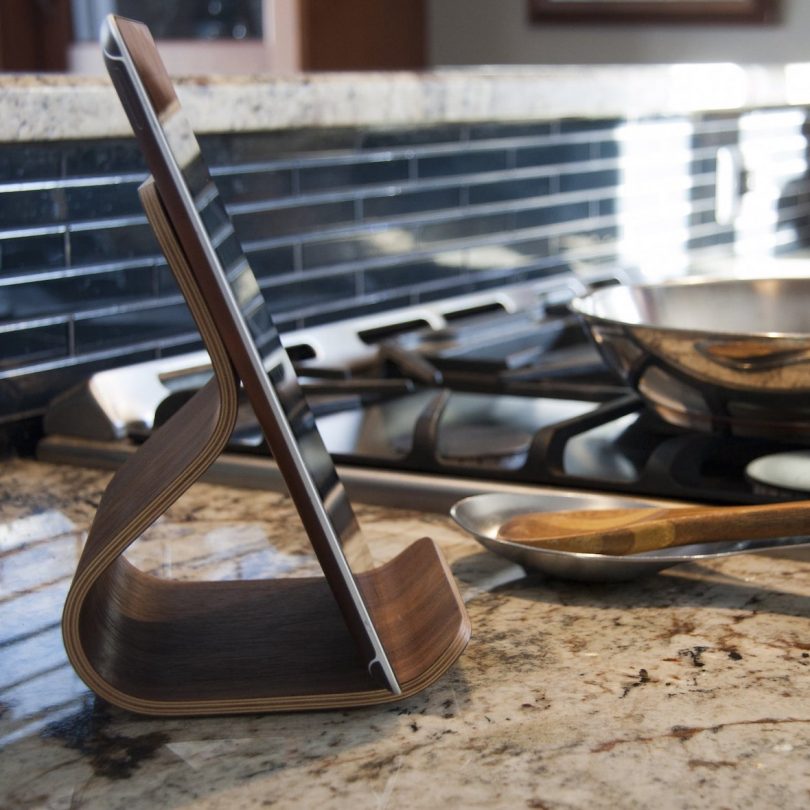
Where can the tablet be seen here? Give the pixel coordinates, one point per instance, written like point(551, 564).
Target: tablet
point(226, 281)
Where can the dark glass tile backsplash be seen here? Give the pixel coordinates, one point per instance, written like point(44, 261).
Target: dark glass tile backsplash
point(340, 222)
point(32, 250)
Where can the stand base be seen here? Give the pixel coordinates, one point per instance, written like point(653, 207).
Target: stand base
point(161, 647)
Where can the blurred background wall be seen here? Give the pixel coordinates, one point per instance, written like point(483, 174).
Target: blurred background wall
point(469, 32)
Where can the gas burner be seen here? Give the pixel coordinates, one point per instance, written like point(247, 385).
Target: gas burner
point(483, 443)
point(487, 445)
point(785, 474)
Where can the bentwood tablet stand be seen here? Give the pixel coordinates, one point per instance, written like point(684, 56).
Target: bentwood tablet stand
point(166, 647)
point(360, 634)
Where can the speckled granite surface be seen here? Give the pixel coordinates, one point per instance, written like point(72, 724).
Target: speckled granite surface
point(57, 107)
point(687, 689)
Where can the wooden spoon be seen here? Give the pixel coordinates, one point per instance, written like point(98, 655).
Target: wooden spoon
point(630, 531)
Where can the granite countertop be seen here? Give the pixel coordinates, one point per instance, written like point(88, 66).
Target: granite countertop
point(690, 688)
point(53, 107)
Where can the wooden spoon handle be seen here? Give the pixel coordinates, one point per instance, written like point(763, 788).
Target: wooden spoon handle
point(742, 523)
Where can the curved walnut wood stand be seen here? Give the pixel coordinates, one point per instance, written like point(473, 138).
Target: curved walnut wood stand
point(163, 647)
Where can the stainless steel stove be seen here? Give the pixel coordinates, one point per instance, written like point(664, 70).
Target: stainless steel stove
point(498, 391)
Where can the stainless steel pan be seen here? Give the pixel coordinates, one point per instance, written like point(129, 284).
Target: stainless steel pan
point(725, 355)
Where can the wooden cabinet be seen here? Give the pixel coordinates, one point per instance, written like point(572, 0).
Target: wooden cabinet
point(362, 34)
point(34, 35)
